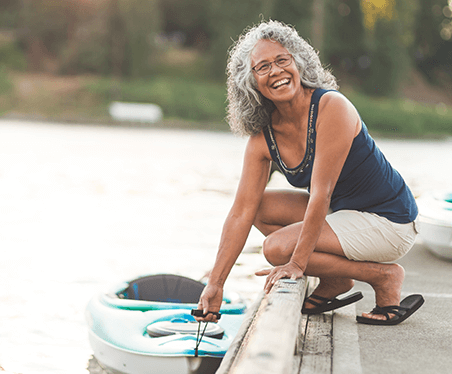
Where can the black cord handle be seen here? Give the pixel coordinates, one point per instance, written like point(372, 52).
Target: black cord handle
point(199, 313)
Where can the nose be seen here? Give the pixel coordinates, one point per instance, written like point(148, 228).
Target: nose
point(275, 69)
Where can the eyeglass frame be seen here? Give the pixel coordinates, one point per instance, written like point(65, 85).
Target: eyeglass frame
point(273, 62)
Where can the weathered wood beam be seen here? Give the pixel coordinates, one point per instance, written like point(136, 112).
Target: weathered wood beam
point(317, 346)
point(234, 348)
point(267, 340)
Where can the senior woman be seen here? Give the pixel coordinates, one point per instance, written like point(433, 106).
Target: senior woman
point(357, 213)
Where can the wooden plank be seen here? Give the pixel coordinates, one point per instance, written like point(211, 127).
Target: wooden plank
point(269, 344)
point(312, 283)
point(318, 345)
point(299, 343)
point(236, 344)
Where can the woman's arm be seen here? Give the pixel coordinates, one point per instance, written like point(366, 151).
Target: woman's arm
point(338, 123)
point(238, 223)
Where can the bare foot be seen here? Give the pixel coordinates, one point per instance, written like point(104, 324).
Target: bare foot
point(387, 286)
point(330, 288)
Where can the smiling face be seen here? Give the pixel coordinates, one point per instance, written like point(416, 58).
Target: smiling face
point(280, 84)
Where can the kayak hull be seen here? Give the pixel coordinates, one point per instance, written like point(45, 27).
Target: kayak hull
point(126, 334)
point(119, 361)
point(435, 222)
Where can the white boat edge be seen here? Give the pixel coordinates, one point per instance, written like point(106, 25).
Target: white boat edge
point(122, 361)
point(435, 223)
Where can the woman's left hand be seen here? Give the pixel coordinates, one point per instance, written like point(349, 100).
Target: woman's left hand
point(290, 270)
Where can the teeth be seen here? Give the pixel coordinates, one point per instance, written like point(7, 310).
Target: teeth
point(281, 82)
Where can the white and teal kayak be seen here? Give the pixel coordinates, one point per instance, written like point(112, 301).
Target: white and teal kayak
point(435, 221)
point(145, 326)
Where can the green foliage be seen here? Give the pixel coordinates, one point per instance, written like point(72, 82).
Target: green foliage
point(345, 41)
point(376, 57)
point(178, 98)
point(386, 60)
point(118, 38)
point(6, 85)
point(183, 64)
point(12, 57)
point(9, 13)
point(111, 37)
point(297, 13)
point(431, 48)
point(141, 21)
point(403, 117)
point(78, 55)
point(407, 11)
point(198, 101)
point(189, 20)
point(227, 20)
point(46, 21)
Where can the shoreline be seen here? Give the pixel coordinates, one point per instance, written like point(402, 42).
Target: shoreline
point(182, 124)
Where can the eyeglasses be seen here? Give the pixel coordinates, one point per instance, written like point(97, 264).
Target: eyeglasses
point(282, 61)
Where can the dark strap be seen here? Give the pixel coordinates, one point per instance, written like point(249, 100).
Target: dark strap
point(320, 298)
point(199, 338)
point(392, 309)
point(200, 313)
point(317, 94)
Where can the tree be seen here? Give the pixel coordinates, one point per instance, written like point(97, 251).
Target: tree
point(43, 30)
point(227, 20)
point(385, 60)
point(141, 20)
point(388, 24)
point(298, 13)
point(345, 39)
point(187, 19)
point(104, 36)
point(9, 13)
point(431, 50)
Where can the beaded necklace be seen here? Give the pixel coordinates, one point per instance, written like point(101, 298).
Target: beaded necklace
point(309, 147)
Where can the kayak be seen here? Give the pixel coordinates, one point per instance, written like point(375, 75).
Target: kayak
point(435, 222)
point(145, 326)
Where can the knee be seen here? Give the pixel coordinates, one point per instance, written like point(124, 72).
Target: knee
point(273, 251)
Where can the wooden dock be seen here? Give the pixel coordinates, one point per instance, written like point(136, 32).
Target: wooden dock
point(275, 338)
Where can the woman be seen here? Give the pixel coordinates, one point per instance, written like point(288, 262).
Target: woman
point(358, 213)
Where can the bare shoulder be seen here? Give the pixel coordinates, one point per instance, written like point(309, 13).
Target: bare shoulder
point(335, 108)
point(334, 100)
point(257, 145)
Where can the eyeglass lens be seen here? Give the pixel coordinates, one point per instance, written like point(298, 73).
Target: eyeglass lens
point(265, 67)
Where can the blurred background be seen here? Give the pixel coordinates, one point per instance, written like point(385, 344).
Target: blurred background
point(85, 207)
point(69, 59)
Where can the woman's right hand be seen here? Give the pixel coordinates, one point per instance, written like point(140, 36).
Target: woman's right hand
point(210, 301)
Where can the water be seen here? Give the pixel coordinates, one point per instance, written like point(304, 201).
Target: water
point(84, 207)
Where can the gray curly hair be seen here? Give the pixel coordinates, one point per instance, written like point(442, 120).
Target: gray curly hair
point(248, 110)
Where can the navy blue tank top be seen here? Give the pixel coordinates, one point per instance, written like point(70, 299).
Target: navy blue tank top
point(367, 181)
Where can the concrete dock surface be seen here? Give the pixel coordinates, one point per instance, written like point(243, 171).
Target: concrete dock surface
point(420, 344)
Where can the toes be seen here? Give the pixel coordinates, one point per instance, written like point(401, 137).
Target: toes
point(374, 316)
point(377, 316)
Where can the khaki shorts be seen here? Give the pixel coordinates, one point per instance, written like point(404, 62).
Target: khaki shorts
point(369, 237)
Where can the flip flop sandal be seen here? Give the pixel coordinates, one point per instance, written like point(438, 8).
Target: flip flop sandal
point(326, 305)
point(407, 307)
